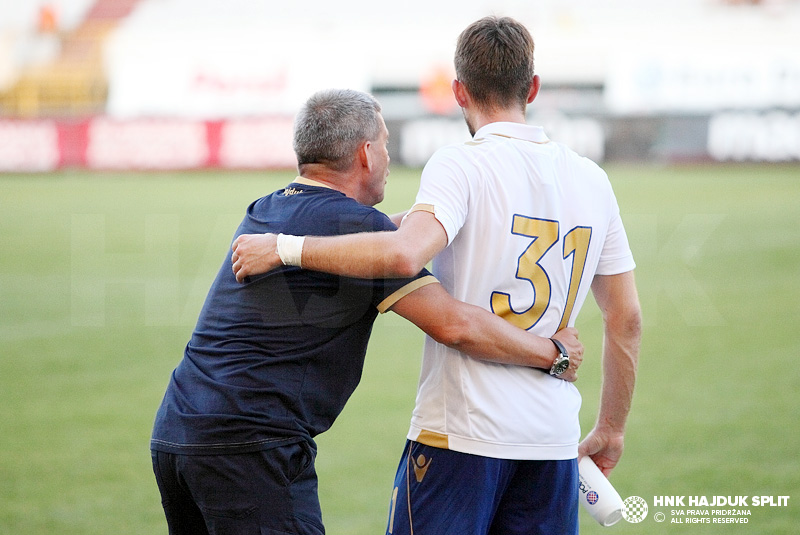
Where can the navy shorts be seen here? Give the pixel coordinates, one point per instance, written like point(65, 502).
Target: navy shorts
point(261, 493)
point(441, 492)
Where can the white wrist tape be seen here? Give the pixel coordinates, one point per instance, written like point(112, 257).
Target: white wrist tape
point(290, 249)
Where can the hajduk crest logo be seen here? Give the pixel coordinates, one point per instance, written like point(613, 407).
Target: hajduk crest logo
point(592, 497)
point(634, 509)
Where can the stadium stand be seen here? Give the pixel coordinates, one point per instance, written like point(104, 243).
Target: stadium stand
point(632, 79)
point(74, 83)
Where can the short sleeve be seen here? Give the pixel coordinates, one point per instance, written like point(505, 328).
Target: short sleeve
point(386, 292)
point(444, 187)
point(616, 256)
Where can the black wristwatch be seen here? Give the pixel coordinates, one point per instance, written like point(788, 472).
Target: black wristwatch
point(561, 363)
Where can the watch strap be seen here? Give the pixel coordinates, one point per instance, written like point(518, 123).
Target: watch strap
point(560, 347)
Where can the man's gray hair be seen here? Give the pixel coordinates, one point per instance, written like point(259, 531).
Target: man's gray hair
point(332, 125)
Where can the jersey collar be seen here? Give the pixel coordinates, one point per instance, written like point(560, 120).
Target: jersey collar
point(308, 182)
point(525, 132)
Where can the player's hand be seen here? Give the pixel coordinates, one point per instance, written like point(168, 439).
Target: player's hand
point(569, 338)
point(254, 254)
point(604, 447)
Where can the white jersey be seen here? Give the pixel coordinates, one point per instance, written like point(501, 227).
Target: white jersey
point(529, 223)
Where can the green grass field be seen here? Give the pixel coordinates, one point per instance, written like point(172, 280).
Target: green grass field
point(102, 276)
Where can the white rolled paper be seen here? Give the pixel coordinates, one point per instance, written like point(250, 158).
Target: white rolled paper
point(597, 495)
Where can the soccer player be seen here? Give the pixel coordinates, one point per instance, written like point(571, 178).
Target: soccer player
point(522, 226)
point(272, 362)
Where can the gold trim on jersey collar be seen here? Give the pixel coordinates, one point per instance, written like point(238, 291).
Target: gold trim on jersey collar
point(308, 182)
point(521, 139)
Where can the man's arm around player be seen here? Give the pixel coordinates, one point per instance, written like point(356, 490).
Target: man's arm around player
point(482, 335)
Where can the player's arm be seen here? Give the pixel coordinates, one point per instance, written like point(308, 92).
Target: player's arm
point(483, 335)
point(400, 253)
point(618, 300)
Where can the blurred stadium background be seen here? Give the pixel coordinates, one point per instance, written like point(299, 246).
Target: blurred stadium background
point(182, 84)
point(133, 133)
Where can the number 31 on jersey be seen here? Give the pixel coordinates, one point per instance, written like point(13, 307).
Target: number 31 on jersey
point(545, 234)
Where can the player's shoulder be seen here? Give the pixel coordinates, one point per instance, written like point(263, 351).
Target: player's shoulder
point(454, 150)
point(568, 157)
point(458, 157)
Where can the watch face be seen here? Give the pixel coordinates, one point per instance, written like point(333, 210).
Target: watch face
point(560, 366)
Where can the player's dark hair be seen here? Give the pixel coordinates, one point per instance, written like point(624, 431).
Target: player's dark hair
point(494, 61)
point(332, 125)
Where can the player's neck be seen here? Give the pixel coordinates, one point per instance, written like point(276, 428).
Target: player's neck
point(479, 119)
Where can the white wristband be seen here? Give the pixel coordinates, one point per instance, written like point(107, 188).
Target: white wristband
point(290, 249)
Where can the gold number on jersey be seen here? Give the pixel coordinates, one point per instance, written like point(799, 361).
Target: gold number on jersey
point(576, 245)
point(545, 234)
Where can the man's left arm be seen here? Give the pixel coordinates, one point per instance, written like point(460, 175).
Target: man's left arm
point(483, 335)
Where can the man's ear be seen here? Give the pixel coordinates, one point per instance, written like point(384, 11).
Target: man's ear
point(364, 156)
point(460, 92)
point(536, 84)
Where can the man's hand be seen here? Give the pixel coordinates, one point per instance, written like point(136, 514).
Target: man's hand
point(254, 254)
point(604, 446)
point(569, 338)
